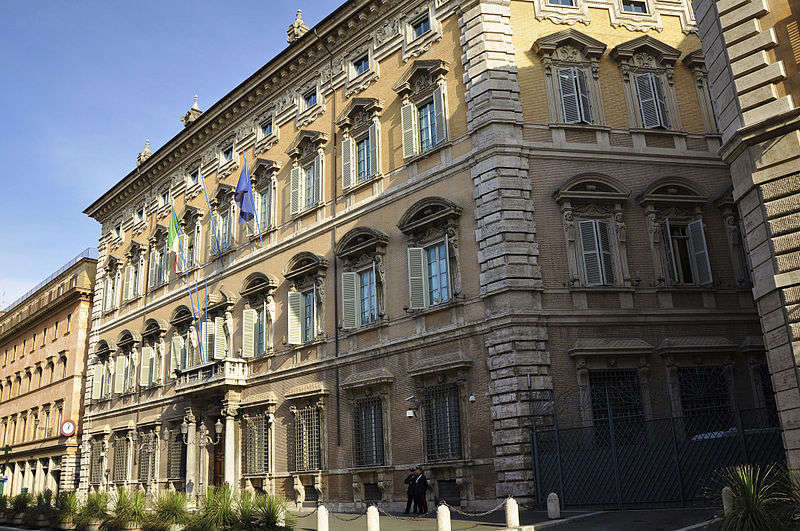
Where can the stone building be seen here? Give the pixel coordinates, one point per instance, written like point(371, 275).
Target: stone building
point(44, 337)
point(462, 208)
point(753, 52)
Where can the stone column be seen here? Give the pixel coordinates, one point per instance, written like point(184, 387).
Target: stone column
point(191, 454)
point(231, 455)
point(38, 481)
point(49, 481)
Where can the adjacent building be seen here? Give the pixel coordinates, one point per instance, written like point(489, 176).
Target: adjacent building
point(753, 52)
point(467, 212)
point(44, 336)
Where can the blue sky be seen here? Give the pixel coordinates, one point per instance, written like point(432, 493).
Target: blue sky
point(82, 84)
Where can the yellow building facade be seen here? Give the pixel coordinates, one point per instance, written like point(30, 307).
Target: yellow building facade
point(464, 210)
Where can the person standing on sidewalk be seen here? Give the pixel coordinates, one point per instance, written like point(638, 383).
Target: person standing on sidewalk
point(420, 491)
point(410, 492)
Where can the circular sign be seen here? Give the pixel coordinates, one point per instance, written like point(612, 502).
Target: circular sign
point(68, 428)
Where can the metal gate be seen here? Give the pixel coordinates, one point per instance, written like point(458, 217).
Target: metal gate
point(610, 454)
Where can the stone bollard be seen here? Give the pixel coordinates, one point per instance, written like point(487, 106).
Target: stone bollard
point(443, 518)
point(512, 513)
point(727, 500)
point(322, 518)
point(281, 520)
point(553, 506)
point(373, 519)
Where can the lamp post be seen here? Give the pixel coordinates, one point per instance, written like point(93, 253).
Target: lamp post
point(149, 443)
point(204, 439)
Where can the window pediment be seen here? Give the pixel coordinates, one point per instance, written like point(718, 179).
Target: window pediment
point(306, 144)
point(133, 251)
point(218, 302)
point(258, 284)
point(569, 45)
point(223, 194)
point(159, 233)
point(111, 263)
point(361, 240)
point(695, 345)
point(645, 52)
point(105, 348)
point(190, 213)
point(359, 112)
point(368, 378)
point(181, 316)
point(421, 76)
point(265, 168)
point(439, 364)
point(154, 327)
point(127, 338)
point(305, 263)
point(591, 188)
point(427, 213)
point(672, 191)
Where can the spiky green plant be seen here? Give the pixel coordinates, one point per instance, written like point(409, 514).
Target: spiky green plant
point(759, 499)
point(94, 509)
point(166, 509)
point(67, 506)
point(20, 502)
point(217, 510)
point(126, 507)
point(273, 511)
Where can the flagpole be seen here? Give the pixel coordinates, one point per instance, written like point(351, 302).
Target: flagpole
point(252, 202)
point(211, 215)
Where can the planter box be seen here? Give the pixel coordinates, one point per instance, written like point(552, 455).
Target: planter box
point(94, 526)
point(67, 525)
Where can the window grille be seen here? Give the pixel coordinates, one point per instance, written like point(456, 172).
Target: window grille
point(257, 444)
point(176, 456)
point(617, 390)
point(147, 457)
point(120, 448)
point(307, 438)
point(372, 492)
point(96, 462)
point(705, 400)
point(442, 422)
point(368, 432)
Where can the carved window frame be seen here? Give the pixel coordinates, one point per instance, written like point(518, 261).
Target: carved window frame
point(358, 82)
point(183, 325)
point(696, 62)
point(360, 249)
point(306, 271)
point(414, 46)
point(571, 48)
point(191, 227)
point(355, 122)
point(307, 114)
point(256, 414)
point(308, 148)
point(264, 179)
point(226, 167)
point(589, 197)
point(135, 260)
point(314, 403)
point(157, 249)
point(222, 204)
point(258, 293)
point(265, 142)
point(645, 55)
point(734, 230)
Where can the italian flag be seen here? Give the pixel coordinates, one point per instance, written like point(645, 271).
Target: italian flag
point(173, 238)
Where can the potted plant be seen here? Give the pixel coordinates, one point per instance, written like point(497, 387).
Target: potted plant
point(67, 510)
point(94, 512)
point(217, 510)
point(127, 511)
point(168, 512)
point(38, 515)
point(272, 512)
point(3, 508)
point(19, 506)
point(759, 500)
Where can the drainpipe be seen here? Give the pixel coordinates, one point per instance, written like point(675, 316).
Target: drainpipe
point(333, 246)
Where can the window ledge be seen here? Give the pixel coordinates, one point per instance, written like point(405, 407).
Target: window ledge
point(659, 131)
point(444, 463)
point(359, 469)
point(452, 303)
point(309, 210)
point(603, 289)
point(318, 341)
point(685, 288)
point(428, 152)
point(308, 115)
point(226, 168)
point(363, 184)
point(378, 323)
point(581, 126)
point(264, 232)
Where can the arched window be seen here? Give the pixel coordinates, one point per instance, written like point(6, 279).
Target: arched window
point(184, 343)
point(306, 275)
point(258, 317)
point(362, 252)
point(150, 368)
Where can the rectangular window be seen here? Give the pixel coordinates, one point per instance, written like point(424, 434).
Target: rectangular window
point(361, 65)
point(308, 316)
point(44, 336)
point(705, 401)
point(227, 154)
point(442, 423)
point(96, 462)
point(560, 2)
point(426, 118)
point(257, 444)
point(55, 330)
point(118, 230)
point(421, 26)
point(266, 128)
point(311, 185)
point(634, 6)
point(652, 101)
point(147, 456)
point(368, 309)
point(368, 432)
point(598, 264)
point(438, 274)
point(120, 449)
point(194, 176)
point(310, 98)
point(363, 170)
point(265, 208)
point(619, 391)
point(140, 214)
point(260, 330)
point(69, 319)
point(176, 456)
point(163, 199)
point(686, 252)
point(307, 439)
point(576, 103)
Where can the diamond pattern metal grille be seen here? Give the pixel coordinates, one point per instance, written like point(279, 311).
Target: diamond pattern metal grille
point(96, 462)
point(120, 449)
point(442, 422)
point(257, 444)
point(368, 432)
point(147, 456)
point(307, 438)
point(176, 456)
point(705, 399)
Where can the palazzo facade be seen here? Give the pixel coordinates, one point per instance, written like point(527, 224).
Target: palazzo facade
point(463, 208)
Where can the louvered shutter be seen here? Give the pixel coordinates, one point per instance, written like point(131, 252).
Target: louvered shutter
point(175, 356)
point(440, 112)
point(408, 119)
point(295, 190)
point(374, 148)
point(666, 235)
point(350, 309)
point(417, 281)
point(140, 289)
point(647, 101)
point(198, 243)
point(661, 100)
point(249, 317)
point(151, 273)
point(583, 95)
point(97, 381)
point(295, 318)
point(606, 254)
point(347, 162)
point(119, 374)
point(128, 282)
point(208, 346)
point(145, 367)
point(590, 253)
point(220, 341)
point(319, 177)
point(699, 250)
point(569, 96)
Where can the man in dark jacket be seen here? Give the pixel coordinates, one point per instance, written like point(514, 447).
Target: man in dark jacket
point(410, 492)
point(420, 491)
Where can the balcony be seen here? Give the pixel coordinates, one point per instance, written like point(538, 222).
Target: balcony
point(214, 374)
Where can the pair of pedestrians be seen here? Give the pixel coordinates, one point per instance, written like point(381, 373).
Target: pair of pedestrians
point(417, 491)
